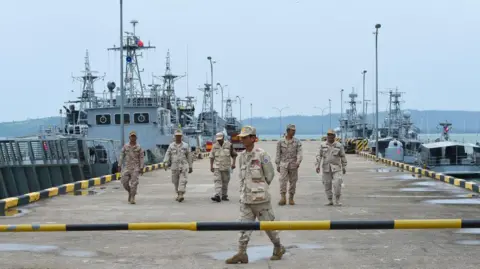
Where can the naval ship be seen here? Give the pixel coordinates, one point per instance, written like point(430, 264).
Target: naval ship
point(154, 112)
point(397, 126)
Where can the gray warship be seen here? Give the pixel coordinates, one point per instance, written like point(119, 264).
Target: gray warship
point(154, 112)
point(397, 126)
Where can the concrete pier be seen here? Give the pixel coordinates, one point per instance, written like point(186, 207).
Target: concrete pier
point(372, 191)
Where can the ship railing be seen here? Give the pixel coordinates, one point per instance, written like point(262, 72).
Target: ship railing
point(35, 152)
point(466, 160)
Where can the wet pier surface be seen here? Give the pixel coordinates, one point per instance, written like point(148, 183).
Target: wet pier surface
point(371, 192)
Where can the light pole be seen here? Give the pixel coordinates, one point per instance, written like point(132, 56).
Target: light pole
point(211, 97)
point(377, 26)
point(280, 111)
point(221, 88)
point(321, 109)
point(240, 101)
point(330, 111)
point(122, 92)
point(251, 113)
point(363, 103)
point(341, 116)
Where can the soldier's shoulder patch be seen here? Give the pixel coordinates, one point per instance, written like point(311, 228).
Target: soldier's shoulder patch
point(266, 159)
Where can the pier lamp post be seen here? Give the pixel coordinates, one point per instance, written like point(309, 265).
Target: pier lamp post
point(363, 103)
point(330, 111)
point(251, 113)
point(122, 91)
point(240, 101)
point(211, 97)
point(342, 128)
point(221, 89)
point(280, 111)
point(377, 26)
point(321, 109)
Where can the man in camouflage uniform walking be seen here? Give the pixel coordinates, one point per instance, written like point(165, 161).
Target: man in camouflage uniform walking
point(332, 156)
point(133, 155)
point(178, 158)
point(220, 165)
point(288, 158)
point(256, 174)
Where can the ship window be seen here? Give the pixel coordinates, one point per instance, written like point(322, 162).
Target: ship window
point(126, 118)
point(103, 119)
point(141, 118)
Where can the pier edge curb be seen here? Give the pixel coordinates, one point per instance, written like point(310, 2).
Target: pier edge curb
point(458, 182)
point(32, 197)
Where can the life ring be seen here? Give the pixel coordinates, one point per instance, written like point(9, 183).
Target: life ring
point(141, 118)
point(103, 119)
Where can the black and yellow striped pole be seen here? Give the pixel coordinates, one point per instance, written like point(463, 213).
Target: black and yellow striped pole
point(262, 225)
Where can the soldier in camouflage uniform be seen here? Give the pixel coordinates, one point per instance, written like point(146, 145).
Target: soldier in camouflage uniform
point(133, 155)
point(256, 174)
point(178, 158)
point(288, 159)
point(332, 156)
point(220, 165)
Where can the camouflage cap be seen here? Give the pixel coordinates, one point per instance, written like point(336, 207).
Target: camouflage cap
point(248, 130)
point(330, 132)
point(219, 136)
point(132, 133)
point(178, 132)
point(291, 127)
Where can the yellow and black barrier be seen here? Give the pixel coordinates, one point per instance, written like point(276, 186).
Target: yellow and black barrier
point(262, 225)
point(469, 185)
point(32, 197)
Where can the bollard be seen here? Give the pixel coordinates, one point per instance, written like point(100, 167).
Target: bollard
point(262, 225)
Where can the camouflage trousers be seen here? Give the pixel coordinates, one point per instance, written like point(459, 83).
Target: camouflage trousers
point(129, 181)
point(332, 179)
point(290, 176)
point(180, 179)
point(250, 212)
point(221, 180)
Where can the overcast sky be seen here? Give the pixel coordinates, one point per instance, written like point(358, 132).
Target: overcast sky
point(272, 52)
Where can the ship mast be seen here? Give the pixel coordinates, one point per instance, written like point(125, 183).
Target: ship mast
point(87, 97)
point(134, 87)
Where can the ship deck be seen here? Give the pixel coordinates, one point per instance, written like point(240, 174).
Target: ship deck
point(372, 191)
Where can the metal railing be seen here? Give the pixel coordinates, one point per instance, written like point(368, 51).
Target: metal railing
point(458, 160)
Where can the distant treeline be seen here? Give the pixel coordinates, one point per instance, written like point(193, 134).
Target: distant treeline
point(427, 121)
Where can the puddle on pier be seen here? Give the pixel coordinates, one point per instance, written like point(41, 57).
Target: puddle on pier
point(78, 253)
point(14, 212)
point(473, 201)
point(46, 248)
point(85, 192)
point(383, 170)
point(259, 252)
point(469, 231)
point(420, 189)
point(402, 177)
point(425, 183)
point(468, 242)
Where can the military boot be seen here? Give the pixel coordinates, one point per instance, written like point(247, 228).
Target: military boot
point(132, 200)
point(282, 199)
point(290, 200)
point(225, 198)
point(129, 197)
point(180, 197)
point(330, 202)
point(278, 252)
point(216, 198)
point(337, 200)
point(240, 257)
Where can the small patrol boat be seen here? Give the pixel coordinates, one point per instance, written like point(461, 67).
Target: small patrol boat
point(450, 157)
